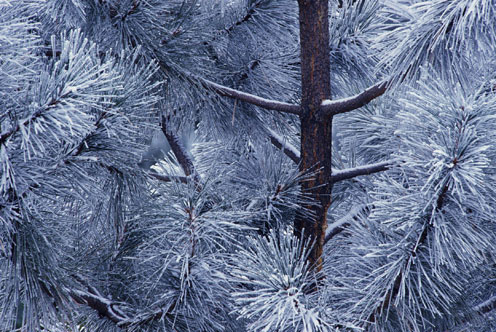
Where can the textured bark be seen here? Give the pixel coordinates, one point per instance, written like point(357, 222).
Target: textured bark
point(315, 129)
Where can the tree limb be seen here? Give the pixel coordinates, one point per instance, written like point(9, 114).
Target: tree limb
point(149, 317)
point(39, 113)
point(333, 107)
point(110, 309)
point(246, 18)
point(168, 178)
point(349, 173)
point(394, 290)
point(287, 148)
point(181, 154)
point(103, 306)
point(338, 226)
point(486, 306)
point(252, 99)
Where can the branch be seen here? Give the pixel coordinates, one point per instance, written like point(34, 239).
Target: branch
point(149, 317)
point(395, 288)
point(338, 226)
point(333, 107)
point(40, 112)
point(287, 148)
point(78, 149)
point(252, 99)
point(110, 309)
point(349, 173)
point(74, 152)
point(247, 17)
point(168, 178)
point(181, 154)
point(486, 306)
point(105, 307)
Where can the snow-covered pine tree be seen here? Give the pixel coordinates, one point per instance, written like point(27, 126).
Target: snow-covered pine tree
point(232, 218)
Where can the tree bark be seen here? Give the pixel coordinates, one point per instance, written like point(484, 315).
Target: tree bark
point(316, 127)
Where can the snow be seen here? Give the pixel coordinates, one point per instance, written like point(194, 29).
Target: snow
point(329, 103)
point(361, 170)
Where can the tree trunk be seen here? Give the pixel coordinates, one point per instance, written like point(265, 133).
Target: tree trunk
point(316, 129)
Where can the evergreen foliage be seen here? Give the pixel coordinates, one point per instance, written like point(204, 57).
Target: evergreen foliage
point(103, 228)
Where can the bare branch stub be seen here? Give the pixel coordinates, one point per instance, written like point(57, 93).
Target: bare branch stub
point(338, 106)
point(346, 174)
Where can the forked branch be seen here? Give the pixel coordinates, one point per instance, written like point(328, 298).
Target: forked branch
point(268, 104)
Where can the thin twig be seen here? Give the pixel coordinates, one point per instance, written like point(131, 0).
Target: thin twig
point(486, 306)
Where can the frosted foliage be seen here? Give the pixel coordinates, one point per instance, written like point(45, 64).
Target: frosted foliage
point(72, 12)
point(271, 293)
point(352, 27)
point(430, 230)
point(437, 32)
point(143, 186)
point(60, 111)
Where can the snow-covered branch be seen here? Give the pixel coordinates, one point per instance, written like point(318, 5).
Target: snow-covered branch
point(252, 99)
point(349, 173)
point(149, 317)
point(168, 178)
point(338, 226)
point(248, 16)
point(333, 107)
point(181, 154)
point(395, 287)
point(112, 311)
point(105, 307)
point(280, 143)
point(486, 306)
point(7, 134)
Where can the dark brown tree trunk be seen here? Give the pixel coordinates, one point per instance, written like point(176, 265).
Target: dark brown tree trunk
point(316, 129)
